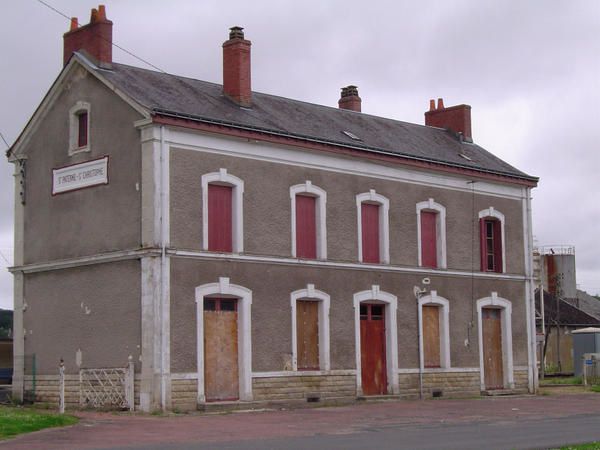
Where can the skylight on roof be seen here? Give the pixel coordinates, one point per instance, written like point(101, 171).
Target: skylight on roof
point(351, 135)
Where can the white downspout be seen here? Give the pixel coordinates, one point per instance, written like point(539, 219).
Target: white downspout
point(163, 390)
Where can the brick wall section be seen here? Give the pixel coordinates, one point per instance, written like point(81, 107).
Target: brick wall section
point(184, 394)
point(452, 384)
point(297, 387)
point(521, 379)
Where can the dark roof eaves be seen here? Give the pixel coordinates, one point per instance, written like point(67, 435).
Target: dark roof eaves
point(212, 121)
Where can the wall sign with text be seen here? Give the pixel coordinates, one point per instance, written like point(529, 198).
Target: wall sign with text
point(79, 176)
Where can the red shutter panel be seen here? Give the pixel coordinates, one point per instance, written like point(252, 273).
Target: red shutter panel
point(370, 233)
point(482, 245)
point(306, 227)
point(497, 246)
point(82, 138)
point(428, 239)
point(219, 218)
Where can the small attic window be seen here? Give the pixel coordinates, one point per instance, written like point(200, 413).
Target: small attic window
point(351, 135)
point(465, 156)
point(79, 128)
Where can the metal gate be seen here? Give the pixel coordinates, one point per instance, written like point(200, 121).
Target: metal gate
point(107, 387)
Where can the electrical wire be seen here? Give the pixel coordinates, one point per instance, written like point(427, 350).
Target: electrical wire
point(2, 136)
point(103, 38)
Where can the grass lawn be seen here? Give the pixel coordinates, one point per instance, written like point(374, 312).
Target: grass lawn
point(590, 446)
point(561, 380)
point(15, 421)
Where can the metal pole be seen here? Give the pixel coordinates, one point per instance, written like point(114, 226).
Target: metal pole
point(543, 346)
point(61, 394)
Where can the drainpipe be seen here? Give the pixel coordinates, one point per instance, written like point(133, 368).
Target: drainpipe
point(163, 258)
point(418, 293)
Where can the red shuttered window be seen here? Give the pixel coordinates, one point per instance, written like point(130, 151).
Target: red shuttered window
point(82, 130)
point(490, 244)
point(428, 239)
point(370, 233)
point(306, 227)
point(219, 218)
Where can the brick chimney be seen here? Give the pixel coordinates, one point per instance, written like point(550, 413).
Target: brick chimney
point(350, 99)
point(236, 68)
point(95, 38)
point(455, 118)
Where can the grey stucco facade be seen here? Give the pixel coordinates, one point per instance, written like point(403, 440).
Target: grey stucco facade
point(120, 270)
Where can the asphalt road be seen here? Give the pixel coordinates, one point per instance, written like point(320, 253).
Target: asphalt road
point(484, 423)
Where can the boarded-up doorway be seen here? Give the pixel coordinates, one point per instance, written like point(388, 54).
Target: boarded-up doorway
point(431, 336)
point(221, 377)
point(307, 327)
point(372, 349)
point(492, 348)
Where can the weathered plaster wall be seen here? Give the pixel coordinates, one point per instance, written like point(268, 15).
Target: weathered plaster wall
point(267, 216)
point(272, 284)
point(92, 220)
point(92, 308)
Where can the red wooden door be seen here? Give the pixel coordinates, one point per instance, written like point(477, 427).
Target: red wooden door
point(370, 233)
point(372, 349)
point(306, 227)
point(219, 218)
point(492, 348)
point(428, 239)
point(221, 379)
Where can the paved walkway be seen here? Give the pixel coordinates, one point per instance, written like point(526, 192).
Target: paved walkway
point(105, 430)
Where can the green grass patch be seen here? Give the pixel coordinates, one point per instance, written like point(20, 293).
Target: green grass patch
point(595, 388)
point(561, 380)
point(15, 421)
point(590, 446)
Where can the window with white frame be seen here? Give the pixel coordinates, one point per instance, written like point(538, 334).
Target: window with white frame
point(79, 128)
point(222, 212)
point(431, 234)
point(309, 226)
point(492, 240)
point(372, 210)
point(434, 331)
point(310, 329)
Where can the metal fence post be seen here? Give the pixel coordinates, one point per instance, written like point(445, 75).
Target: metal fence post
point(61, 384)
point(130, 384)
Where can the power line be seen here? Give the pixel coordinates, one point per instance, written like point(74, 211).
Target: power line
point(104, 39)
point(2, 136)
point(4, 258)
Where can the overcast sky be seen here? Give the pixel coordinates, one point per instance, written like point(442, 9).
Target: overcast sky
point(529, 69)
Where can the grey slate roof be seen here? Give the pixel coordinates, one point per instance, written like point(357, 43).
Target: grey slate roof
point(170, 95)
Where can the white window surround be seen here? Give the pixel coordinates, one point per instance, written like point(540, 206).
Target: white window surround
point(444, 321)
point(321, 215)
point(224, 289)
point(391, 335)
point(310, 293)
point(440, 230)
point(505, 307)
point(237, 214)
point(384, 223)
point(74, 112)
point(493, 213)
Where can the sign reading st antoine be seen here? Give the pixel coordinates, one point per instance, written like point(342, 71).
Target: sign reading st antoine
point(78, 176)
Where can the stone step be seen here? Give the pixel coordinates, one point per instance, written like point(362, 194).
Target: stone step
point(504, 392)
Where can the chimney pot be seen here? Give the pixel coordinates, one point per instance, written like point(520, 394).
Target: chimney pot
point(455, 118)
point(95, 38)
point(236, 33)
point(236, 68)
point(349, 99)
